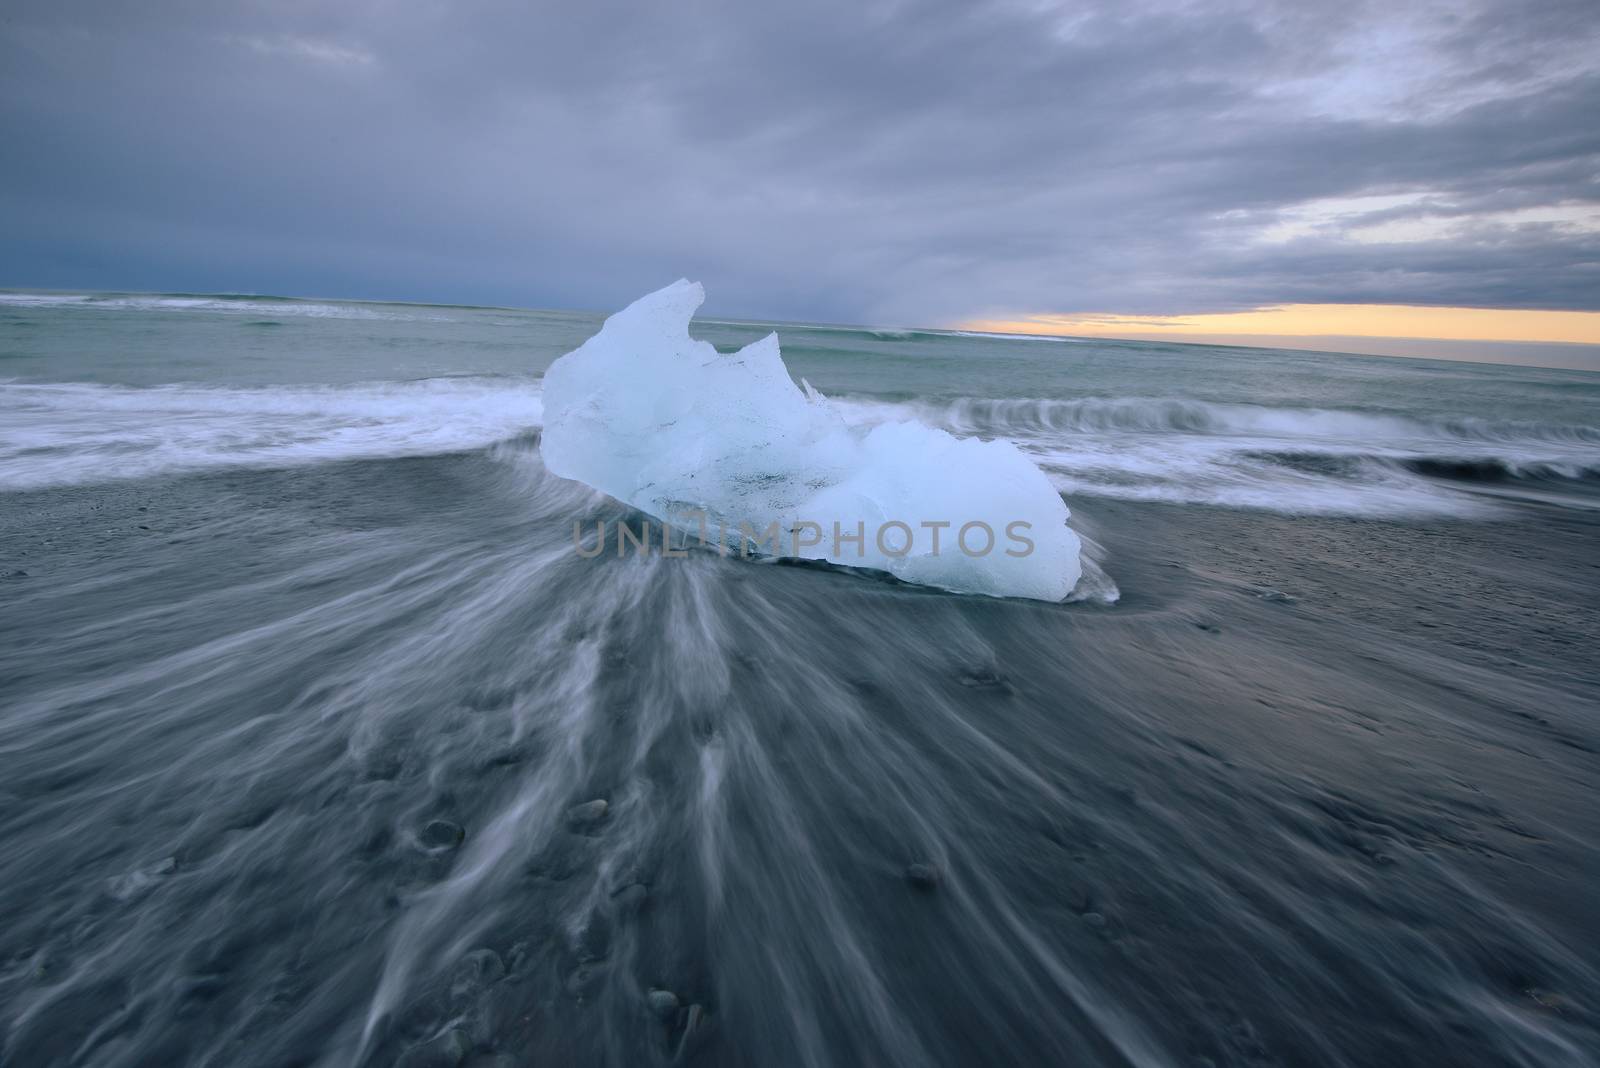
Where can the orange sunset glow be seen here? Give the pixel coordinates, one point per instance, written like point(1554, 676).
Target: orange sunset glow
point(1323, 320)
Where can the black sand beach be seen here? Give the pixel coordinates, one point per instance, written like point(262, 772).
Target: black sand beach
point(301, 767)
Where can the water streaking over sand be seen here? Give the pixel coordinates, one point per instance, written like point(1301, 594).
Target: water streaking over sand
point(320, 745)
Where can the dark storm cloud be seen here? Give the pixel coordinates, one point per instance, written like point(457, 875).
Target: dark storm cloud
point(908, 162)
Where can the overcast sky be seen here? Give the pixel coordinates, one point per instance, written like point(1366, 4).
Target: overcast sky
point(908, 162)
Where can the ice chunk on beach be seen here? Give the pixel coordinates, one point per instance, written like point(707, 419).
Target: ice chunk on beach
point(647, 414)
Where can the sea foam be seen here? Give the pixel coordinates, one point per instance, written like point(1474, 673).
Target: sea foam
point(67, 433)
point(649, 415)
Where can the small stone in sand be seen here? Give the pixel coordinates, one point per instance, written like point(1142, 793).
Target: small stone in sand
point(582, 817)
point(663, 1003)
point(442, 834)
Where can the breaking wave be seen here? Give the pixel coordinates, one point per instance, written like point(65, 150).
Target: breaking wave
point(63, 434)
point(1018, 337)
point(255, 306)
point(1295, 460)
point(1187, 416)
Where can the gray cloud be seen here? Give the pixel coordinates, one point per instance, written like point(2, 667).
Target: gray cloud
point(909, 162)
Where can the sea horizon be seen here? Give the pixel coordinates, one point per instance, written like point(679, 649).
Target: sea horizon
point(1584, 356)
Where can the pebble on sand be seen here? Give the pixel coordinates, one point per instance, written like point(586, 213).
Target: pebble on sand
point(1079, 896)
point(582, 817)
point(442, 834)
point(983, 678)
point(663, 1003)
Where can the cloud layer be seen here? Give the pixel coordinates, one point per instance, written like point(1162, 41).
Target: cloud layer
point(902, 162)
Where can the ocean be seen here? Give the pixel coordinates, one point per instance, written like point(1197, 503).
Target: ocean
point(321, 745)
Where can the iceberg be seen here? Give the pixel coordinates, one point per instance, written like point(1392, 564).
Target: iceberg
point(730, 444)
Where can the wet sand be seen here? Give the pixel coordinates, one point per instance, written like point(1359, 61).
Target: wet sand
point(305, 772)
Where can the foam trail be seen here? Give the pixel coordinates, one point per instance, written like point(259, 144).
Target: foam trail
point(1305, 461)
point(647, 414)
point(72, 433)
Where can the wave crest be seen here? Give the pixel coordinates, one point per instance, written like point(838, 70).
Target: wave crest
point(1296, 460)
point(1025, 415)
point(68, 433)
